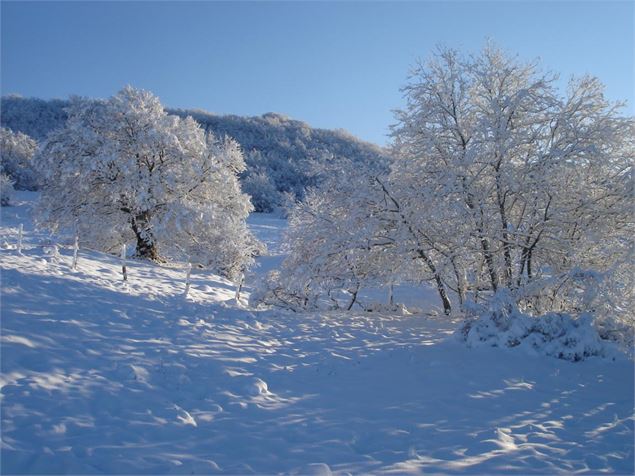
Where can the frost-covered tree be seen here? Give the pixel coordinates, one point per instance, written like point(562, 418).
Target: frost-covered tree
point(124, 170)
point(499, 181)
point(515, 185)
point(341, 239)
point(16, 154)
point(346, 235)
point(330, 238)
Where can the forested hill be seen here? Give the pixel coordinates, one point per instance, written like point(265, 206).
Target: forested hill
point(282, 155)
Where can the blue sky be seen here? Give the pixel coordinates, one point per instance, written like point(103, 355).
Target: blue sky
point(331, 64)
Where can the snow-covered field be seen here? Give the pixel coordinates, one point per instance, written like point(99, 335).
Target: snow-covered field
point(102, 378)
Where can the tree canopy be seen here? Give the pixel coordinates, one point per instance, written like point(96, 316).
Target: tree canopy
point(123, 170)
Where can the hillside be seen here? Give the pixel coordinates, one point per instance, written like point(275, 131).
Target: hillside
point(283, 156)
point(98, 377)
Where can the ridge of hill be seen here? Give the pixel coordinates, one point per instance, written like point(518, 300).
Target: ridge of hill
point(283, 156)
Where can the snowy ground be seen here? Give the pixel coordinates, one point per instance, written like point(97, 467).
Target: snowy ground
point(98, 378)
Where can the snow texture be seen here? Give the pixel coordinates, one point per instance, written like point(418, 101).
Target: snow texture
point(102, 378)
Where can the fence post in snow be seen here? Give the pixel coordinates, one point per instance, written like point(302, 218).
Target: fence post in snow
point(187, 279)
point(124, 271)
point(240, 286)
point(75, 251)
point(390, 295)
point(20, 231)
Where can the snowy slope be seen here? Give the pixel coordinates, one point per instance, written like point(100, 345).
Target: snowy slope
point(100, 378)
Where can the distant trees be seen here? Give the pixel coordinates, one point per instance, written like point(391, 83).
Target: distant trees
point(16, 154)
point(124, 170)
point(498, 182)
point(32, 116)
point(280, 153)
point(283, 155)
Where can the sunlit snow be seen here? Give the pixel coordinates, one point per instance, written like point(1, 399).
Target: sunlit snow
point(98, 377)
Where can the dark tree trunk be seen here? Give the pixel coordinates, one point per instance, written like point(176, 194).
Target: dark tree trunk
point(353, 297)
point(480, 228)
point(521, 267)
point(507, 253)
point(146, 246)
point(447, 306)
point(460, 285)
point(490, 263)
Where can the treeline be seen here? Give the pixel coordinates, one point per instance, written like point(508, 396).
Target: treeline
point(284, 157)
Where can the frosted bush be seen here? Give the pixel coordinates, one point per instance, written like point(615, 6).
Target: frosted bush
point(16, 154)
point(608, 296)
point(559, 335)
point(614, 305)
point(275, 291)
point(6, 190)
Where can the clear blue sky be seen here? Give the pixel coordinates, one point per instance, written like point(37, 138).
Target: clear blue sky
point(333, 65)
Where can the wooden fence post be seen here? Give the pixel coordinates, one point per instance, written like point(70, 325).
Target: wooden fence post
point(124, 271)
point(187, 279)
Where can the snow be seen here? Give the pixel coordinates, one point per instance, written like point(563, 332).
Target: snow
point(102, 378)
point(502, 324)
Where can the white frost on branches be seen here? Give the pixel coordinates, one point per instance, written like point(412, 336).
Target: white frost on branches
point(123, 170)
point(499, 181)
point(515, 186)
point(16, 154)
point(6, 190)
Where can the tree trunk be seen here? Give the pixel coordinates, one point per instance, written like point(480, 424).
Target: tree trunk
point(447, 306)
point(480, 228)
point(490, 262)
point(507, 253)
point(521, 266)
point(146, 246)
point(353, 297)
point(460, 282)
